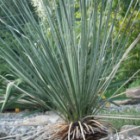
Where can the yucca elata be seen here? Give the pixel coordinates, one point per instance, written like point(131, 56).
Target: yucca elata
point(69, 58)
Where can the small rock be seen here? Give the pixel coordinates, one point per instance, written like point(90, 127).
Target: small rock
point(136, 137)
point(41, 119)
point(130, 131)
point(132, 101)
point(133, 93)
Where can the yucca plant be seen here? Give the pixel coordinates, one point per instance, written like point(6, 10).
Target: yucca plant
point(69, 60)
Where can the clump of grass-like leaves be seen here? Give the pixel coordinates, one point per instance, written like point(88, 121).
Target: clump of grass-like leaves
point(69, 61)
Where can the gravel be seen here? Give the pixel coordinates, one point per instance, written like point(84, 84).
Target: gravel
point(122, 108)
point(20, 126)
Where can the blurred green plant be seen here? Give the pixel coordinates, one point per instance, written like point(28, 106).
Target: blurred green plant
point(135, 83)
point(12, 96)
point(67, 63)
point(118, 123)
point(131, 63)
